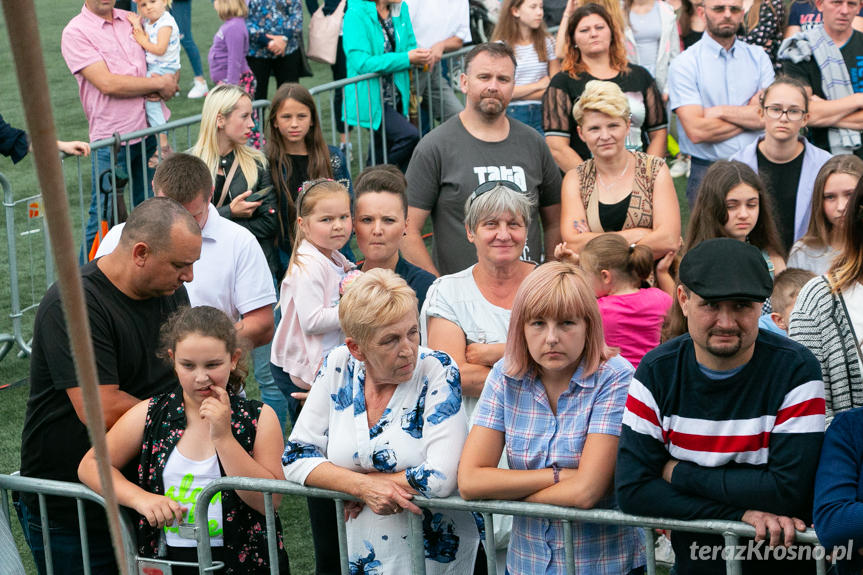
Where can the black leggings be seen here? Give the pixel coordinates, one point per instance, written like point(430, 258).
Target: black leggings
point(285, 68)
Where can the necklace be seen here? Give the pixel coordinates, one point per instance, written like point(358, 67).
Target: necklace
point(608, 187)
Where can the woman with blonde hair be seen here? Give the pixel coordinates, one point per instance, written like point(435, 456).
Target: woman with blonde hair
point(243, 187)
point(596, 52)
point(626, 192)
point(555, 404)
point(383, 422)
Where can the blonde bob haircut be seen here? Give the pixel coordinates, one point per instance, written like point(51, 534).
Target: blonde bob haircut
point(604, 97)
point(228, 9)
point(221, 102)
point(497, 201)
point(555, 290)
point(376, 299)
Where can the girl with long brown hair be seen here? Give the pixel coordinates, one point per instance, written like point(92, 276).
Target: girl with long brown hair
point(297, 152)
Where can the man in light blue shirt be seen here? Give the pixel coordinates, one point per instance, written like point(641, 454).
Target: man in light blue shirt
point(714, 87)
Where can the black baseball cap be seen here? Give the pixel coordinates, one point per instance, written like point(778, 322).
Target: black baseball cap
point(726, 269)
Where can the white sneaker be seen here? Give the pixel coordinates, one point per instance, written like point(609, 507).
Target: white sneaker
point(199, 90)
point(680, 167)
point(664, 551)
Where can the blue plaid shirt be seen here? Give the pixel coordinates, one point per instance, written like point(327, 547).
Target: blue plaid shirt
point(536, 439)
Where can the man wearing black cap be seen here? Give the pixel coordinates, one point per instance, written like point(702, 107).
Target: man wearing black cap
point(725, 422)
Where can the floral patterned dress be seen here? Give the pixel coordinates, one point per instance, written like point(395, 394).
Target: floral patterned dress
point(420, 433)
point(245, 530)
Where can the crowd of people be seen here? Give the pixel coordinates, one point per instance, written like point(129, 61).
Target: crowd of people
point(566, 340)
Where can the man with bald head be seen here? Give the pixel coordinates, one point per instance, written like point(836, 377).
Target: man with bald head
point(129, 293)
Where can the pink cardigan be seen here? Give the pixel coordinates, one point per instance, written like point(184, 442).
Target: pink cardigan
point(309, 300)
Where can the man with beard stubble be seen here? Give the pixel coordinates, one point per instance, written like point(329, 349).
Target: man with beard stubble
point(725, 421)
point(714, 88)
point(481, 144)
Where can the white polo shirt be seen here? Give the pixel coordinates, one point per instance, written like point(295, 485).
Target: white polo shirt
point(232, 274)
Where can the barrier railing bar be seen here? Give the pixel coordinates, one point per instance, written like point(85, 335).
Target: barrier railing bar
point(373, 145)
point(732, 567)
point(650, 551)
point(383, 130)
point(85, 543)
point(568, 556)
point(272, 542)
point(46, 534)
point(490, 544)
point(418, 556)
point(343, 537)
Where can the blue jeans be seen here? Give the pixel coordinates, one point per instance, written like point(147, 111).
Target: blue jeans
point(181, 10)
point(530, 114)
point(270, 392)
point(66, 546)
point(287, 387)
point(155, 113)
point(141, 185)
point(697, 169)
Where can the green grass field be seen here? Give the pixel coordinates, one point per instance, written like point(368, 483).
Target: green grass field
point(71, 125)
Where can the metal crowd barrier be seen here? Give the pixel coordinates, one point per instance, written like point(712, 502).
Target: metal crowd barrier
point(732, 531)
point(45, 487)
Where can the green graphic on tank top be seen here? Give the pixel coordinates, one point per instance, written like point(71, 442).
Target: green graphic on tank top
point(187, 497)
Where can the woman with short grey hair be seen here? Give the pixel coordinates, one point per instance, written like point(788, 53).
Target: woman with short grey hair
point(466, 314)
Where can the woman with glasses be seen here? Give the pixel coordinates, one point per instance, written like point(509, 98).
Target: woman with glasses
point(595, 51)
point(617, 190)
point(785, 161)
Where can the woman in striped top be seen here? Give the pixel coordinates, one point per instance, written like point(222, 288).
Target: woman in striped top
point(521, 26)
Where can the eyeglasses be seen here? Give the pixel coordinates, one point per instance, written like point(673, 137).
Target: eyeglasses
point(793, 114)
point(721, 9)
point(491, 185)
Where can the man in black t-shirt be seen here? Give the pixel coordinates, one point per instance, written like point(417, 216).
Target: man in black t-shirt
point(128, 293)
point(826, 112)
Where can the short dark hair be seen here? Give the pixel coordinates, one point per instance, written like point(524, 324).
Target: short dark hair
point(152, 220)
point(383, 178)
point(184, 178)
point(496, 49)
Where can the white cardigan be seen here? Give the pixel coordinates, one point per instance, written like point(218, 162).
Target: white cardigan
point(669, 44)
point(309, 300)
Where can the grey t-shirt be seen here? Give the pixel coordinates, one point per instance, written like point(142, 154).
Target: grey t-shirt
point(449, 163)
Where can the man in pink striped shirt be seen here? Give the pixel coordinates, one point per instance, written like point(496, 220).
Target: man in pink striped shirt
point(726, 421)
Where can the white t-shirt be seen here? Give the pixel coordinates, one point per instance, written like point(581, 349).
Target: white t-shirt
point(232, 274)
point(170, 60)
point(183, 479)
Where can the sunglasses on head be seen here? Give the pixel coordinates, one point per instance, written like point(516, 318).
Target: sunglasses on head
point(491, 185)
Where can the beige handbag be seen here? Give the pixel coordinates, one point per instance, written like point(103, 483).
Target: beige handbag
point(324, 34)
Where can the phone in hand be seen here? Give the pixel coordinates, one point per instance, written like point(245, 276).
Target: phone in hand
point(259, 195)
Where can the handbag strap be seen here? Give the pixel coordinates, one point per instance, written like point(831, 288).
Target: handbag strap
point(228, 178)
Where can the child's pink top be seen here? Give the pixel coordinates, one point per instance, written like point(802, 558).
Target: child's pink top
point(633, 322)
point(309, 300)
